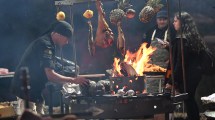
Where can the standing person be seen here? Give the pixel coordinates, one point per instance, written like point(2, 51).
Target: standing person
point(193, 48)
point(39, 59)
point(157, 37)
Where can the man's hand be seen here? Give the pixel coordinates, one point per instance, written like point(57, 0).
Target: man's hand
point(166, 44)
point(160, 41)
point(163, 43)
point(81, 81)
point(168, 86)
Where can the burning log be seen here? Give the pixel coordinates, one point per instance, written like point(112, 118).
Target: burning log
point(135, 64)
point(127, 70)
point(104, 35)
point(154, 68)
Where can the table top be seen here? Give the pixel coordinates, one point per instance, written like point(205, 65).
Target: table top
point(9, 75)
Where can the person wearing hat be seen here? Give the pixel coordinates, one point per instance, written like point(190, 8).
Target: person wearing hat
point(157, 37)
point(159, 30)
point(39, 59)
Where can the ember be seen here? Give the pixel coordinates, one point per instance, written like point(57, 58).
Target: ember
point(139, 61)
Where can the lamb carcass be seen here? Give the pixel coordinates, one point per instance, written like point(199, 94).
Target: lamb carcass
point(104, 35)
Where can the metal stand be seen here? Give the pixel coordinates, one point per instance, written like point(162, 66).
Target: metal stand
point(170, 48)
point(71, 3)
point(50, 89)
point(182, 48)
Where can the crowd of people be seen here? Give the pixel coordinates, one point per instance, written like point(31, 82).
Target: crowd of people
point(191, 58)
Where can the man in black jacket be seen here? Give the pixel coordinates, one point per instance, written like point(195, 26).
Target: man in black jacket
point(39, 59)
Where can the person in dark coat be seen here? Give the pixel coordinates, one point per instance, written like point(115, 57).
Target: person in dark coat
point(193, 46)
point(39, 58)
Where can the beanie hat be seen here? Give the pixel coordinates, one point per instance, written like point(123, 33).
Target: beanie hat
point(63, 28)
point(162, 14)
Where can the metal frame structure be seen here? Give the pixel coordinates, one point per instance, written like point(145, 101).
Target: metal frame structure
point(71, 3)
point(170, 48)
point(182, 48)
point(182, 51)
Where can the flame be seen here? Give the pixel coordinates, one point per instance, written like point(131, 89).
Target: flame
point(138, 60)
point(116, 67)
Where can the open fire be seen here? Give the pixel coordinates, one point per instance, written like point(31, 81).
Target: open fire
point(135, 64)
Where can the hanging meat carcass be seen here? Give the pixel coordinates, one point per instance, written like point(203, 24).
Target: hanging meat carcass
point(116, 17)
point(104, 35)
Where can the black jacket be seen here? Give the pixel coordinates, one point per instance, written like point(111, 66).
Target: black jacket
point(39, 55)
point(159, 34)
point(192, 63)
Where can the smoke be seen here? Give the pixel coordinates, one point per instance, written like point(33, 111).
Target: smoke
point(21, 21)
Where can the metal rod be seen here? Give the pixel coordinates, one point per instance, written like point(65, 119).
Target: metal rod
point(73, 39)
point(71, 2)
point(170, 49)
point(25, 85)
point(182, 47)
point(61, 59)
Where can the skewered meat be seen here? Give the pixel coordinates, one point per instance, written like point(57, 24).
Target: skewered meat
point(88, 14)
point(124, 4)
point(151, 8)
point(91, 42)
point(120, 39)
point(130, 13)
point(126, 7)
point(104, 35)
point(116, 16)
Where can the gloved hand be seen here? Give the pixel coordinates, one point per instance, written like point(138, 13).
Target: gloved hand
point(81, 81)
